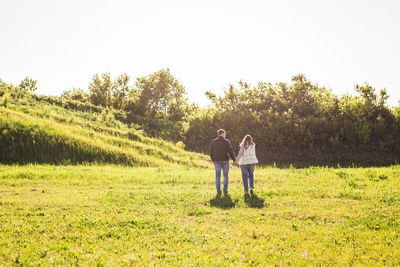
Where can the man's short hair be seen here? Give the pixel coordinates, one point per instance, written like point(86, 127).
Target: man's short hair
point(220, 131)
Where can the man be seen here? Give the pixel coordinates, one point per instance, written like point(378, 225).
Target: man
point(220, 151)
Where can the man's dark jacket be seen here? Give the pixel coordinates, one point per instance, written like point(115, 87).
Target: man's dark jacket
point(221, 149)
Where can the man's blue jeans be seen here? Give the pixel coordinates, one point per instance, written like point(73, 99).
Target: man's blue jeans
point(248, 176)
point(224, 166)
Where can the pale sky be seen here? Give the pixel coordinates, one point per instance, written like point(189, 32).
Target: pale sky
point(206, 44)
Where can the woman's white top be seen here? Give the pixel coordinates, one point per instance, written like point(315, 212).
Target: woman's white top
point(247, 156)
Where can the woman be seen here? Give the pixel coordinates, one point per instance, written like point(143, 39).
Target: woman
point(247, 160)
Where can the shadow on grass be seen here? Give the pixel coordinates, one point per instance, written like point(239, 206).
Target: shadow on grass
point(222, 202)
point(253, 201)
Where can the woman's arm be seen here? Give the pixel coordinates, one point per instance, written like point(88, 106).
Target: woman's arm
point(239, 155)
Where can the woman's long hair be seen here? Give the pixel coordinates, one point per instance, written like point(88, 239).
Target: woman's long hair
point(247, 141)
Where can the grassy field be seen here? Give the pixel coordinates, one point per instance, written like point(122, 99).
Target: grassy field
point(111, 215)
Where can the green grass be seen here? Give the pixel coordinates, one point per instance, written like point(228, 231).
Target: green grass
point(111, 215)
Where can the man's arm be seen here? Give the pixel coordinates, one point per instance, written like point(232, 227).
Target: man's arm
point(230, 151)
point(211, 149)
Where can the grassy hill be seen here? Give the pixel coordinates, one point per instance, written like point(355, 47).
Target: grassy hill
point(37, 132)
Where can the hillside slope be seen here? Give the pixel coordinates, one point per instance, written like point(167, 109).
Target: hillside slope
point(35, 132)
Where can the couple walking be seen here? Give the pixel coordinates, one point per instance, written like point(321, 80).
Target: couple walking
point(221, 150)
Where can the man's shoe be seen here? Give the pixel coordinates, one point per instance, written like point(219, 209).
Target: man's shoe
point(251, 192)
point(226, 193)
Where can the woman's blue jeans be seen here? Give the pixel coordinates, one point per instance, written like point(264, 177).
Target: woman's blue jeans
point(224, 166)
point(248, 176)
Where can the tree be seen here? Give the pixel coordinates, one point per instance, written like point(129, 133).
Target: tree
point(120, 91)
point(299, 95)
point(100, 90)
point(161, 95)
point(28, 85)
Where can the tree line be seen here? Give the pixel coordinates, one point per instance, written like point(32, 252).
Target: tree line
point(298, 122)
point(159, 95)
point(304, 123)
